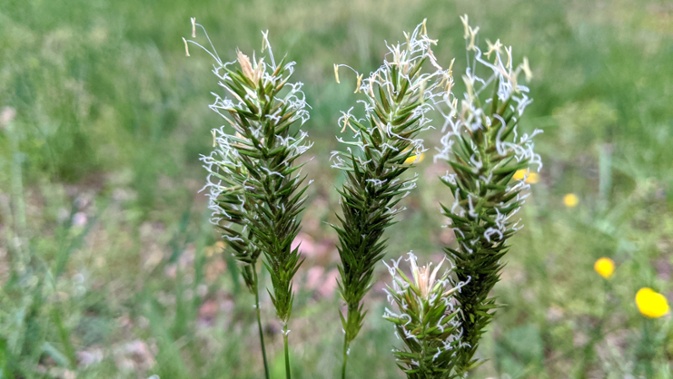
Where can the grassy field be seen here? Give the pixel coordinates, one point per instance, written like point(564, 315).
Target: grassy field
point(110, 269)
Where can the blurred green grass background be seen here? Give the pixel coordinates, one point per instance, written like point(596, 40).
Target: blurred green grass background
point(109, 267)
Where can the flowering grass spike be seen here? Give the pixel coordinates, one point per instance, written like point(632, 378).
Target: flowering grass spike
point(484, 150)
point(255, 188)
point(425, 319)
point(396, 99)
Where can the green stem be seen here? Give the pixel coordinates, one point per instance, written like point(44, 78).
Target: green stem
point(345, 357)
point(17, 213)
point(646, 349)
point(259, 325)
point(589, 351)
point(288, 372)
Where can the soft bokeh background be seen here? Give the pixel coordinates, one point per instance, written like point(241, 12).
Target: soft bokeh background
point(109, 267)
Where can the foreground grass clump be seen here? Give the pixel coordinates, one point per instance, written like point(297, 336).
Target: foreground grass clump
point(249, 169)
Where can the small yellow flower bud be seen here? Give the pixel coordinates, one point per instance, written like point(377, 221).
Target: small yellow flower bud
point(651, 303)
point(605, 267)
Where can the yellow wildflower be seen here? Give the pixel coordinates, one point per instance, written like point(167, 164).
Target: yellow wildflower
point(605, 267)
point(417, 158)
point(571, 200)
point(651, 303)
point(531, 177)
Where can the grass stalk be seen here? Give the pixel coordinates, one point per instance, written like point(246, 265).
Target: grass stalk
point(646, 353)
point(597, 333)
point(344, 360)
point(17, 212)
point(259, 325)
point(286, 349)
